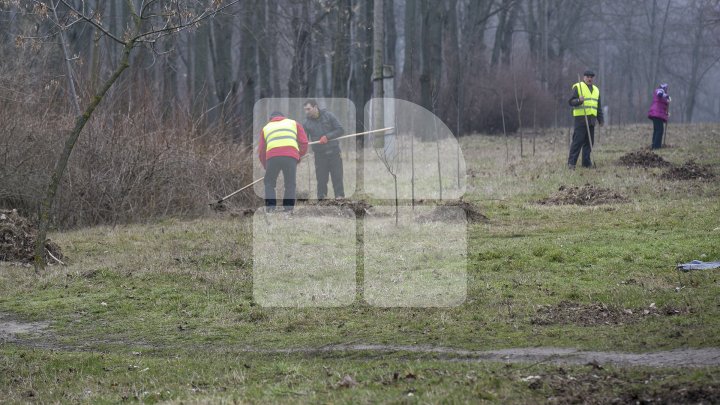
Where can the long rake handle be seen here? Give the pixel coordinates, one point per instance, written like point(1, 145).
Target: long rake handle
point(309, 143)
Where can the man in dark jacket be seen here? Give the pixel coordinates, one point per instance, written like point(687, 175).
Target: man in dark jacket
point(587, 109)
point(323, 127)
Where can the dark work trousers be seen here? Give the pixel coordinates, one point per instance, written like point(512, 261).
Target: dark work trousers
point(658, 127)
point(288, 166)
point(329, 165)
point(580, 141)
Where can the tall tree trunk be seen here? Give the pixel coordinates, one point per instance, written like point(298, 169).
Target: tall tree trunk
point(456, 67)
point(390, 32)
point(457, 71)
point(272, 33)
point(502, 47)
point(264, 49)
point(341, 48)
point(378, 53)
point(694, 80)
point(248, 75)
point(411, 51)
point(506, 45)
point(433, 12)
point(361, 81)
point(201, 84)
point(221, 38)
point(170, 98)
point(499, 31)
point(297, 83)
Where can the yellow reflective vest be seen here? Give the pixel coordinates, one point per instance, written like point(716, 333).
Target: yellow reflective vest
point(280, 133)
point(590, 106)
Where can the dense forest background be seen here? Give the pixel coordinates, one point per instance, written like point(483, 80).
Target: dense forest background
point(176, 122)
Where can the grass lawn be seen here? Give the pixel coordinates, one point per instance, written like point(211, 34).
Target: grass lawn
point(168, 310)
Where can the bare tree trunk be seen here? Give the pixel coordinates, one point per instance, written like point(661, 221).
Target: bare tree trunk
point(502, 46)
point(248, 75)
point(264, 49)
point(298, 81)
point(61, 163)
point(502, 113)
point(534, 128)
point(361, 81)
point(519, 100)
point(341, 49)
point(272, 49)
point(378, 52)
point(221, 38)
point(410, 53)
point(457, 72)
point(433, 13)
point(201, 89)
point(695, 74)
point(390, 32)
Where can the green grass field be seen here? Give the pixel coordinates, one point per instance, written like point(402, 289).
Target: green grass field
point(166, 311)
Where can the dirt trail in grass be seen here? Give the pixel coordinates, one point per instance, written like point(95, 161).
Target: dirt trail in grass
point(671, 358)
point(38, 335)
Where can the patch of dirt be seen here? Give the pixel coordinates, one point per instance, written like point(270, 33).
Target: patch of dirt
point(643, 158)
point(566, 313)
point(313, 210)
point(472, 213)
point(242, 212)
point(360, 208)
point(599, 386)
point(17, 239)
point(585, 195)
point(689, 171)
point(670, 393)
point(10, 328)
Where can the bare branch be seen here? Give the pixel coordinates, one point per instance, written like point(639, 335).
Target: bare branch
point(95, 24)
point(176, 28)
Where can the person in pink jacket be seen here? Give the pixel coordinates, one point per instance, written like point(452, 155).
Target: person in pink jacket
point(659, 114)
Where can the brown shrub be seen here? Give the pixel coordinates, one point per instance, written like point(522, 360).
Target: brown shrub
point(127, 166)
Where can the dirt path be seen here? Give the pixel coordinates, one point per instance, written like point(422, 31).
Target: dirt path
point(37, 334)
point(671, 358)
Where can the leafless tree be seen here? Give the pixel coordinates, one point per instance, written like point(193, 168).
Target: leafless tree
point(147, 29)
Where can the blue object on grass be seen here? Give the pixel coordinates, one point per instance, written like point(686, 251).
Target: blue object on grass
point(698, 265)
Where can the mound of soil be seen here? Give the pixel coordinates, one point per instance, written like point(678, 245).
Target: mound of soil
point(472, 213)
point(17, 239)
point(689, 171)
point(643, 158)
point(585, 195)
point(571, 313)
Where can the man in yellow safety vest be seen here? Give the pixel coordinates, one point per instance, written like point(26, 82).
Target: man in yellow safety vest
point(587, 110)
point(281, 145)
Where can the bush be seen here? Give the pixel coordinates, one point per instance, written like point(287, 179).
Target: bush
point(126, 167)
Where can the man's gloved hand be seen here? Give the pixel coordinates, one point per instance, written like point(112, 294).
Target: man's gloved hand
point(323, 140)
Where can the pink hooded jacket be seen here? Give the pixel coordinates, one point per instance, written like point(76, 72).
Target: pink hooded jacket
point(660, 104)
